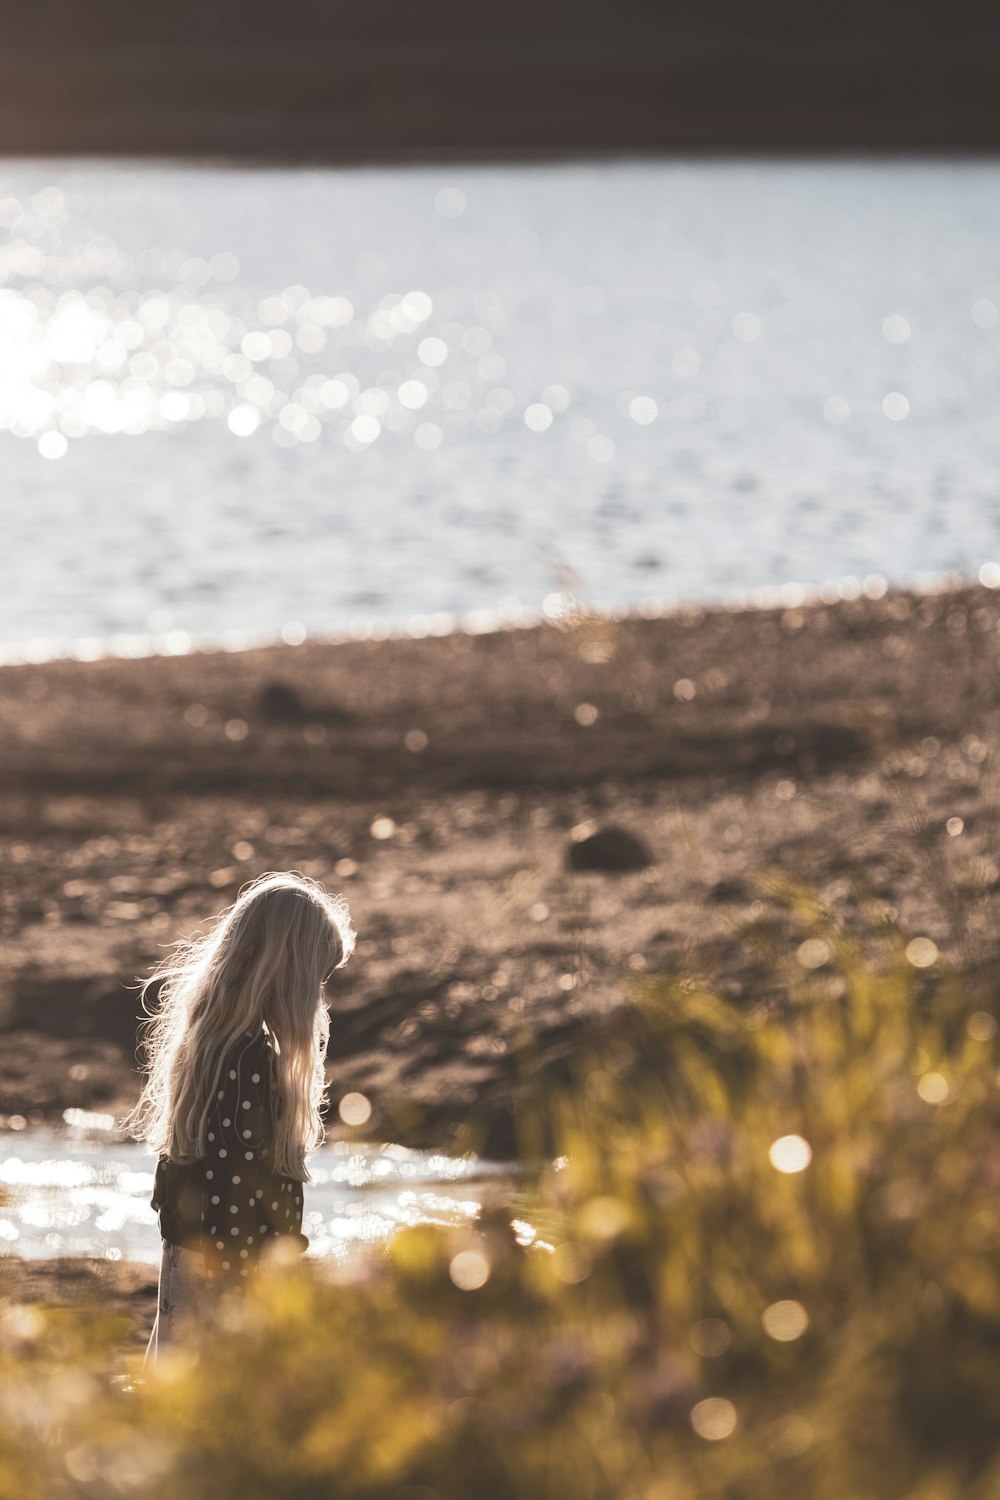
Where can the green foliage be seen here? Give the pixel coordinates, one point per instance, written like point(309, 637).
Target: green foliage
point(670, 1317)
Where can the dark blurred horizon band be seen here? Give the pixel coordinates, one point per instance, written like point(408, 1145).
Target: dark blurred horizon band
point(314, 81)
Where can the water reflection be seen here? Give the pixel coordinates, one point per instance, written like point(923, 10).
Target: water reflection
point(124, 357)
point(728, 355)
point(86, 1192)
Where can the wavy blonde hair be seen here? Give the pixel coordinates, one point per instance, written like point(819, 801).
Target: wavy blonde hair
point(263, 964)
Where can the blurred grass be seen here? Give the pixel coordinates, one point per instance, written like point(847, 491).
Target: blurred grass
point(668, 1317)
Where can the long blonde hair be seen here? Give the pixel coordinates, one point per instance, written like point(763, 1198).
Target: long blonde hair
point(262, 965)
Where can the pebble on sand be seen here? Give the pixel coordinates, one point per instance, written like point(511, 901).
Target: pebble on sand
point(611, 848)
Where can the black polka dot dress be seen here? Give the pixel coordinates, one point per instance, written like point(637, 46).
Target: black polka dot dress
point(231, 1203)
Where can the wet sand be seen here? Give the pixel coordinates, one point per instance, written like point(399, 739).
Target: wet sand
point(436, 783)
point(111, 1287)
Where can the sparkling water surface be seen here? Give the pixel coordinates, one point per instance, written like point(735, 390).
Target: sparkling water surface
point(240, 400)
point(85, 1191)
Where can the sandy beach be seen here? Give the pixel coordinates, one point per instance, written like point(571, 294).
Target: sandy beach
point(440, 783)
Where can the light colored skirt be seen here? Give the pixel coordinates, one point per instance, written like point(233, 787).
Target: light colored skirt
point(181, 1289)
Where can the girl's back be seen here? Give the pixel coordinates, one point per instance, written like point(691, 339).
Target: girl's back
point(231, 1202)
point(235, 1063)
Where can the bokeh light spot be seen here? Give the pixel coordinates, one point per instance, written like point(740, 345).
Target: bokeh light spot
point(714, 1419)
point(52, 445)
point(785, 1321)
point(984, 313)
point(366, 428)
point(432, 352)
point(895, 329)
point(710, 1338)
point(556, 397)
point(921, 952)
point(538, 417)
point(571, 1262)
point(790, 1153)
point(643, 409)
point(450, 202)
point(354, 1109)
point(243, 421)
point(813, 953)
point(412, 394)
point(933, 1088)
point(469, 1270)
point(604, 1218)
point(687, 362)
point(746, 327)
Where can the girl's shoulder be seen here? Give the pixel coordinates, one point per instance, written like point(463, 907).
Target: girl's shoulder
point(249, 1053)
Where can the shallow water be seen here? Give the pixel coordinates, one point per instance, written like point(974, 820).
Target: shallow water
point(244, 401)
point(85, 1191)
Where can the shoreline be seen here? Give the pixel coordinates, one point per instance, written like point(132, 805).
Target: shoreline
point(138, 645)
point(438, 780)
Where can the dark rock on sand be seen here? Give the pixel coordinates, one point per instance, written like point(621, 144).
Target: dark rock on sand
point(280, 703)
point(609, 848)
point(729, 890)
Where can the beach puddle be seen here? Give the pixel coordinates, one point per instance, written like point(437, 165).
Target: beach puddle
point(85, 1190)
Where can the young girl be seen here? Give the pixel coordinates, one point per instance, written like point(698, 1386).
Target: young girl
point(234, 1064)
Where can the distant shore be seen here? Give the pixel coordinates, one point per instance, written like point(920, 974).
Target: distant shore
point(437, 782)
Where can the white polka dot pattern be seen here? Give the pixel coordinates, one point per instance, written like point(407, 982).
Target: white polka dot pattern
point(248, 1098)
